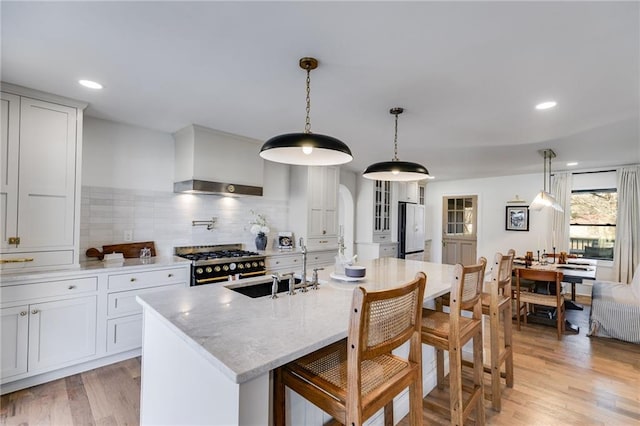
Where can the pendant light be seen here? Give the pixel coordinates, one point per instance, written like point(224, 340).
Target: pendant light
point(395, 169)
point(306, 149)
point(544, 198)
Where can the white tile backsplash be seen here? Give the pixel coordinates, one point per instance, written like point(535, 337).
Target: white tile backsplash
point(165, 218)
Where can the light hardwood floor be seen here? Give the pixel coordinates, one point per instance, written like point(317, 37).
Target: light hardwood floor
point(575, 381)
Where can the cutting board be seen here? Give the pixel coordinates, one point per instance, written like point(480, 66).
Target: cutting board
point(128, 250)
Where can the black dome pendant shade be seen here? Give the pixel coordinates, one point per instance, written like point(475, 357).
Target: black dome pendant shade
point(396, 170)
point(306, 149)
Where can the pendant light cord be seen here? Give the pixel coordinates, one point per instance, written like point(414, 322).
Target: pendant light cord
point(307, 123)
point(395, 141)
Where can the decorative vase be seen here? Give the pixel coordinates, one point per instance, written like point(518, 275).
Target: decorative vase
point(261, 241)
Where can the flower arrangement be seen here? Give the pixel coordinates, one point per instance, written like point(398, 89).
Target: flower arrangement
point(259, 224)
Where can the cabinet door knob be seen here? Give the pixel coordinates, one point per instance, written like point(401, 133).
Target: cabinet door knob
point(132, 279)
point(170, 275)
point(23, 313)
point(324, 231)
point(71, 287)
point(35, 311)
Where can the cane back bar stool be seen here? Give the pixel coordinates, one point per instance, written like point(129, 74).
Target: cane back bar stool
point(450, 331)
point(496, 302)
point(355, 377)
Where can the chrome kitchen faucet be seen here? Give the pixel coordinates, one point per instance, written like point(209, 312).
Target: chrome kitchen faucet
point(303, 283)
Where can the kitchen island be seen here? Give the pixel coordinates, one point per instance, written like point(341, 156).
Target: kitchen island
point(208, 351)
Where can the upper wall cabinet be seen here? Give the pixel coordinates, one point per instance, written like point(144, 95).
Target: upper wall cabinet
point(408, 191)
point(313, 205)
point(373, 211)
point(40, 188)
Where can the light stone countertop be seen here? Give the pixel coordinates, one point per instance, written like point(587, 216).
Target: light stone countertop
point(245, 338)
point(92, 267)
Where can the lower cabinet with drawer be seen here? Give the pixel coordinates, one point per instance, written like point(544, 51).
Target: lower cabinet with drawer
point(369, 251)
point(124, 314)
point(44, 334)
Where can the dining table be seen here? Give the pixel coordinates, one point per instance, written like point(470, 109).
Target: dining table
point(574, 271)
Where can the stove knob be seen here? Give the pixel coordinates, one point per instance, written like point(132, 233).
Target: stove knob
point(208, 269)
point(254, 264)
point(199, 271)
point(225, 267)
point(248, 264)
point(232, 266)
point(261, 263)
point(240, 266)
point(217, 269)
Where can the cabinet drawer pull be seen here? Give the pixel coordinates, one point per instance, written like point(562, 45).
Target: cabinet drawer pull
point(35, 311)
point(18, 260)
point(170, 275)
point(132, 279)
point(71, 287)
point(23, 313)
point(323, 241)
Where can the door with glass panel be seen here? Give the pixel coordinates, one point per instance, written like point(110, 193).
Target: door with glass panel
point(459, 226)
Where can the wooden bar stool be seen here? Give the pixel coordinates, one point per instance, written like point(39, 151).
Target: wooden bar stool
point(496, 302)
point(450, 331)
point(354, 378)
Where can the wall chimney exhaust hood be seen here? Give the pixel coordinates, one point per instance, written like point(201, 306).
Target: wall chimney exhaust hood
point(213, 162)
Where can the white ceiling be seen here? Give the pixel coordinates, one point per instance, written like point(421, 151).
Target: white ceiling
point(467, 73)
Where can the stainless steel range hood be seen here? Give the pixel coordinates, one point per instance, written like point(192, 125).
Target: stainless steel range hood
point(212, 162)
point(195, 186)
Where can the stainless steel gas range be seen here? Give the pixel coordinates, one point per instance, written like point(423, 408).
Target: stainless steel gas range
point(218, 263)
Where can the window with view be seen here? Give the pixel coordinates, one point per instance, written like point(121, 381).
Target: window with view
point(593, 223)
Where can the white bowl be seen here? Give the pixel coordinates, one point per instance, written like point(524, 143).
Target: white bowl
point(354, 271)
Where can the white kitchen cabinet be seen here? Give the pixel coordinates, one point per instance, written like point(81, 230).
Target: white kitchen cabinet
point(373, 208)
point(370, 251)
point(313, 205)
point(40, 180)
point(61, 332)
point(14, 340)
point(47, 325)
point(408, 191)
point(124, 313)
point(292, 262)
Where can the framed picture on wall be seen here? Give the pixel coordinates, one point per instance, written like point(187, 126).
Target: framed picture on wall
point(517, 218)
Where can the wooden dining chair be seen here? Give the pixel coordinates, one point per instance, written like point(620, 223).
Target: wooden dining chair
point(355, 377)
point(449, 331)
point(525, 298)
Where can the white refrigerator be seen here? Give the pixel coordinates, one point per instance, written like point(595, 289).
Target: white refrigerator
point(411, 231)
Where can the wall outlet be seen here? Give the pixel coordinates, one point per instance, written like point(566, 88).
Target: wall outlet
point(128, 235)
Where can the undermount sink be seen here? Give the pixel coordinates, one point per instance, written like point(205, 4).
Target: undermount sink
point(262, 288)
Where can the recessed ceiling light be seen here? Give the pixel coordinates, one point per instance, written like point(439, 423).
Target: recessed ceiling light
point(572, 163)
point(546, 105)
point(90, 84)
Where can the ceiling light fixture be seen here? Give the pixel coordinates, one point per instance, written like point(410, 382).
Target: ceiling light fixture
point(90, 84)
point(544, 198)
point(395, 169)
point(306, 149)
point(546, 105)
point(572, 163)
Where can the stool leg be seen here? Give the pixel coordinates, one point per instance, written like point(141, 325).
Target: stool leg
point(508, 346)
point(494, 331)
point(440, 368)
point(455, 383)
point(278, 398)
point(478, 371)
point(388, 414)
